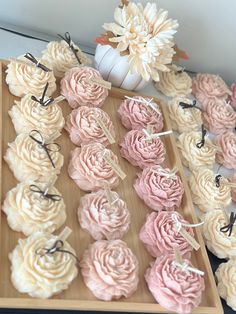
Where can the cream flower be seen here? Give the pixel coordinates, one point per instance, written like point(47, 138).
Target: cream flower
point(226, 279)
point(148, 35)
point(219, 243)
point(42, 276)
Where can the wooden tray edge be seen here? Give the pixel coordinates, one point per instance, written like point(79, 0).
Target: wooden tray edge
point(95, 306)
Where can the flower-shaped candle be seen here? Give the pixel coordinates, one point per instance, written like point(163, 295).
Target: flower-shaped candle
point(175, 83)
point(92, 166)
point(160, 234)
point(183, 120)
point(25, 77)
point(209, 86)
point(227, 154)
point(159, 188)
point(193, 156)
point(28, 114)
point(104, 216)
point(30, 158)
point(226, 283)
point(29, 208)
point(137, 113)
point(142, 152)
point(41, 270)
point(110, 270)
point(174, 288)
point(206, 193)
point(79, 89)
point(63, 55)
point(84, 128)
point(218, 116)
point(218, 242)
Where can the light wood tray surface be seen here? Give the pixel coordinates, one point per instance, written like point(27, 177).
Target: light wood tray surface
point(78, 296)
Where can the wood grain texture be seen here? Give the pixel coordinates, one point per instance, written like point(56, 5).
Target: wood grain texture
point(78, 296)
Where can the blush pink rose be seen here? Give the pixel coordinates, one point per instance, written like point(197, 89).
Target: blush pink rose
point(89, 170)
point(79, 92)
point(157, 190)
point(159, 234)
point(136, 115)
point(83, 128)
point(227, 144)
point(233, 190)
point(218, 116)
point(102, 219)
point(174, 289)
point(233, 96)
point(142, 153)
point(207, 86)
point(110, 270)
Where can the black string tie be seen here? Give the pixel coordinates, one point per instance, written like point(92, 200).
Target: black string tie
point(56, 247)
point(229, 227)
point(44, 194)
point(202, 142)
point(68, 40)
point(217, 180)
point(41, 101)
point(30, 57)
point(53, 147)
point(188, 106)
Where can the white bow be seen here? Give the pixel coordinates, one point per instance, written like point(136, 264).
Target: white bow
point(179, 224)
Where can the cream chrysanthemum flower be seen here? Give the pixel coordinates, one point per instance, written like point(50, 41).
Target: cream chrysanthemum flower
point(147, 34)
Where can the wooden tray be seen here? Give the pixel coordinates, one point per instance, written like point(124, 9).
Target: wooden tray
point(78, 296)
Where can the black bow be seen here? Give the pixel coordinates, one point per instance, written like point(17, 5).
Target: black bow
point(217, 180)
point(53, 197)
point(229, 227)
point(30, 57)
point(187, 106)
point(68, 40)
point(54, 146)
point(202, 142)
point(56, 247)
point(41, 100)
point(180, 71)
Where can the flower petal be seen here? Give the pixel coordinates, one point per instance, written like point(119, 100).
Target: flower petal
point(114, 28)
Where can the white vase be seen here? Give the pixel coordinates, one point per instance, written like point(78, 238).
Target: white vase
point(115, 69)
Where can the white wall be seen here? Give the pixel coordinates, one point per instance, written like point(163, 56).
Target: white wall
point(207, 27)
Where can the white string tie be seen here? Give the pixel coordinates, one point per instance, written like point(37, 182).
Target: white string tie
point(151, 136)
point(185, 267)
point(179, 224)
point(145, 101)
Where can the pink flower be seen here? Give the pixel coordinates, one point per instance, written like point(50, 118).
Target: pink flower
point(142, 153)
point(218, 116)
point(174, 289)
point(207, 86)
point(227, 144)
point(233, 96)
point(90, 170)
point(159, 191)
point(79, 92)
point(110, 270)
point(83, 127)
point(159, 234)
point(137, 115)
point(101, 219)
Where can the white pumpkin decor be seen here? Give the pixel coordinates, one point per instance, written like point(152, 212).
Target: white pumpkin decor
point(137, 46)
point(115, 69)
